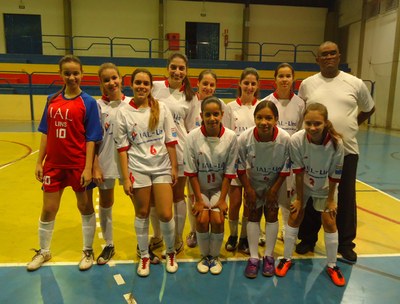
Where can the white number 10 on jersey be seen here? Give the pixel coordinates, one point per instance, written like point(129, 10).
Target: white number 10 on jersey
point(61, 133)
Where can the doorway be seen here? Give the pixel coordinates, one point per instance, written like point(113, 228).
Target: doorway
point(202, 40)
point(23, 34)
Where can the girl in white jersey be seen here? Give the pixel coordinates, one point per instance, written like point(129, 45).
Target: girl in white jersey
point(207, 84)
point(210, 158)
point(241, 112)
point(317, 159)
point(145, 137)
point(177, 94)
point(263, 166)
point(106, 168)
point(291, 110)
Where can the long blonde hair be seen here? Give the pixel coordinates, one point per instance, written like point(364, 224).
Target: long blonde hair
point(153, 103)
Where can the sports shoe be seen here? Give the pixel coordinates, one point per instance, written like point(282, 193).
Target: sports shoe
point(204, 265)
point(215, 265)
point(336, 276)
point(87, 260)
point(106, 255)
point(348, 253)
point(155, 242)
point(304, 247)
point(143, 269)
point(231, 243)
point(283, 267)
point(191, 240)
point(178, 249)
point(170, 264)
point(154, 259)
point(261, 239)
point(268, 269)
point(244, 245)
point(38, 259)
point(251, 269)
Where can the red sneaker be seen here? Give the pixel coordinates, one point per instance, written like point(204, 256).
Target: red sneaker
point(336, 276)
point(283, 267)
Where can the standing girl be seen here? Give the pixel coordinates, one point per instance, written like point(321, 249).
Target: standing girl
point(177, 94)
point(70, 127)
point(317, 159)
point(210, 161)
point(263, 166)
point(145, 137)
point(106, 167)
point(291, 110)
point(241, 112)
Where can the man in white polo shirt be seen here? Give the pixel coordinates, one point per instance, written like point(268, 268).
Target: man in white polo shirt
point(349, 104)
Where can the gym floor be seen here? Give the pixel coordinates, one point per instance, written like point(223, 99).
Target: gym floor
point(373, 279)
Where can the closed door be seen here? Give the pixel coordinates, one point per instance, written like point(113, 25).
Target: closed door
point(202, 40)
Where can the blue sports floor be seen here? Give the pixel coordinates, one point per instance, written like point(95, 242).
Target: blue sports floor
point(375, 278)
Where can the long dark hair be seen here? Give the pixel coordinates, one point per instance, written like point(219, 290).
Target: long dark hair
point(267, 104)
point(189, 93)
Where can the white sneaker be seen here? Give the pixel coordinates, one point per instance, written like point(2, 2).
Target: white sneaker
point(171, 265)
point(178, 249)
point(87, 260)
point(215, 266)
point(38, 259)
point(203, 266)
point(143, 269)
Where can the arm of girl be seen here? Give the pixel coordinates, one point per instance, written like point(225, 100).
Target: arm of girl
point(41, 156)
point(221, 204)
point(199, 205)
point(331, 205)
point(86, 176)
point(174, 163)
point(97, 172)
point(127, 183)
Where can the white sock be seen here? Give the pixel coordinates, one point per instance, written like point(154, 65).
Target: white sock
point(105, 216)
point(180, 218)
point(45, 234)
point(155, 222)
point(285, 217)
point(88, 230)
point(203, 239)
point(233, 227)
point(253, 229)
point(168, 232)
point(192, 218)
point(271, 234)
point(142, 236)
point(243, 232)
point(290, 240)
point(331, 247)
point(216, 240)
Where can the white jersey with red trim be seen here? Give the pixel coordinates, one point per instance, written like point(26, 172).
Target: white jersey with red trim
point(211, 158)
point(146, 149)
point(241, 116)
point(344, 96)
point(183, 112)
point(290, 111)
point(320, 163)
point(108, 154)
point(263, 161)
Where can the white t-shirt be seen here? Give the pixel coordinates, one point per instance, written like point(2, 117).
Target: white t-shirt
point(211, 158)
point(108, 154)
point(183, 112)
point(290, 111)
point(263, 161)
point(319, 162)
point(344, 96)
point(147, 151)
point(241, 117)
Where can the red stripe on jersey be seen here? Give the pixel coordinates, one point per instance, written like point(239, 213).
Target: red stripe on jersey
point(284, 173)
point(221, 131)
point(171, 143)
point(189, 174)
point(239, 101)
point(334, 180)
point(123, 149)
point(277, 96)
point(230, 176)
point(241, 172)
point(297, 171)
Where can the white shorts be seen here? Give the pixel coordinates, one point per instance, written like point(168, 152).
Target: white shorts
point(211, 198)
point(236, 182)
point(319, 203)
point(108, 183)
point(181, 171)
point(141, 180)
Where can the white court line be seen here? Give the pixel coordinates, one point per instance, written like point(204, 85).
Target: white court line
point(380, 191)
point(12, 163)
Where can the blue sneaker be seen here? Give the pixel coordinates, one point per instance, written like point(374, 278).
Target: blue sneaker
point(268, 266)
point(251, 270)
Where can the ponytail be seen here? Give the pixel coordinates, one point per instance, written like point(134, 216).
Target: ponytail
point(154, 113)
point(335, 136)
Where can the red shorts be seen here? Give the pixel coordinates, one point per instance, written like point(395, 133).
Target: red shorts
point(56, 179)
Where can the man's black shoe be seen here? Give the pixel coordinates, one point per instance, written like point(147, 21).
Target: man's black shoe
point(348, 254)
point(303, 247)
